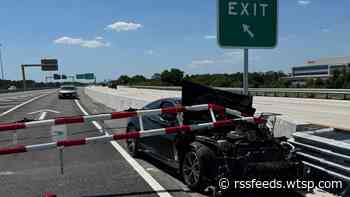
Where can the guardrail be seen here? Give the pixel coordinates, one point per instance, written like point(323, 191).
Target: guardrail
point(320, 152)
point(340, 94)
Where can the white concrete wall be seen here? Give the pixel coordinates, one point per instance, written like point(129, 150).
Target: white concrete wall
point(124, 97)
point(116, 99)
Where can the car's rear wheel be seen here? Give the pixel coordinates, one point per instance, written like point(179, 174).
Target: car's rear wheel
point(132, 144)
point(198, 166)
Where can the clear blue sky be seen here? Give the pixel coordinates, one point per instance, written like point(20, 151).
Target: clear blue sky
point(115, 37)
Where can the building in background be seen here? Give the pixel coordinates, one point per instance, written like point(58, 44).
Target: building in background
point(321, 68)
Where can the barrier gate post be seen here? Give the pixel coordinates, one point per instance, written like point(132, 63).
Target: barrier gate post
point(61, 159)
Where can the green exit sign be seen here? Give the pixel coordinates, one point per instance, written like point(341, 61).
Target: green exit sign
point(88, 76)
point(247, 23)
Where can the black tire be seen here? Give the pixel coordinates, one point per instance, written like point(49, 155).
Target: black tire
point(197, 176)
point(132, 144)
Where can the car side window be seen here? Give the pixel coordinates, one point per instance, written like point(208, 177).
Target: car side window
point(167, 104)
point(153, 105)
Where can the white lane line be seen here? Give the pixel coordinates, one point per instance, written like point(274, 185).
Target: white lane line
point(42, 115)
point(98, 126)
point(22, 104)
point(6, 173)
point(137, 167)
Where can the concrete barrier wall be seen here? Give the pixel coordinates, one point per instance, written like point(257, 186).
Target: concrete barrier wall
point(112, 99)
point(125, 97)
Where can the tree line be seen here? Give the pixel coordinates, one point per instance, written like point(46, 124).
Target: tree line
point(270, 79)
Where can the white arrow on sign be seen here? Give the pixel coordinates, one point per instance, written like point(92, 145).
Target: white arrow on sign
point(246, 28)
point(44, 113)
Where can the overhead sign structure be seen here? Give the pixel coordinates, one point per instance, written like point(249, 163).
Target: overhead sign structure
point(49, 64)
point(45, 64)
point(247, 23)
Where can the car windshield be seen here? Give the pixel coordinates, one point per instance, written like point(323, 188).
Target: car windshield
point(68, 88)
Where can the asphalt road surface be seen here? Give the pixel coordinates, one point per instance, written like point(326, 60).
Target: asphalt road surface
point(9, 100)
point(90, 170)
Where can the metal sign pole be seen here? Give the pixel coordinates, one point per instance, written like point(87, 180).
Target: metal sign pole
point(245, 74)
point(61, 159)
point(1, 64)
point(24, 77)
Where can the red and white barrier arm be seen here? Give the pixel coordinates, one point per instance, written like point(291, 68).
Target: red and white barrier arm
point(114, 115)
point(97, 117)
point(107, 138)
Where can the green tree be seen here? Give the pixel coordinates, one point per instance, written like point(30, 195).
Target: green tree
point(123, 80)
point(319, 83)
point(137, 79)
point(172, 77)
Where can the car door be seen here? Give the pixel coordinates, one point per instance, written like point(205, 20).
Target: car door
point(166, 146)
point(151, 122)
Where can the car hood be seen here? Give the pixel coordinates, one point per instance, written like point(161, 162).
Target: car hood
point(195, 94)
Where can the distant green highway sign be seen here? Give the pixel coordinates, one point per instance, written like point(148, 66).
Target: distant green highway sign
point(247, 23)
point(88, 76)
point(80, 76)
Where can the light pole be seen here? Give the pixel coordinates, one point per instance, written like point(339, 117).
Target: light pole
point(1, 64)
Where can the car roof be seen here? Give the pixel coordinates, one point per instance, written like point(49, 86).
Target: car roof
point(174, 99)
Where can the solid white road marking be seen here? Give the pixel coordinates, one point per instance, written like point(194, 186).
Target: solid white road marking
point(22, 104)
point(137, 167)
point(42, 115)
point(45, 110)
point(5, 173)
point(98, 126)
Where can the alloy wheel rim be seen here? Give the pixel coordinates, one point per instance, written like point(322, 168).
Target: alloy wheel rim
point(191, 168)
point(131, 145)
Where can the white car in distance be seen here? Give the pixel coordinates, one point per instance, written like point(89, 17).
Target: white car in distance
point(68, 91)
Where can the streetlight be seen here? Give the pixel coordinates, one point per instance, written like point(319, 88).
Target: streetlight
point(1, 64)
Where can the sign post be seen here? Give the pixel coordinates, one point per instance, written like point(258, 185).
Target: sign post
point(247, 24)
point(245, 73)
point(59, 132)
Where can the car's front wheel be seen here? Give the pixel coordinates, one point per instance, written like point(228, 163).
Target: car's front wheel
point(132, 144)
point(198, 166)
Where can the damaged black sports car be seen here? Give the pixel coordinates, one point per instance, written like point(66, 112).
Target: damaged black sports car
point(244, 151)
